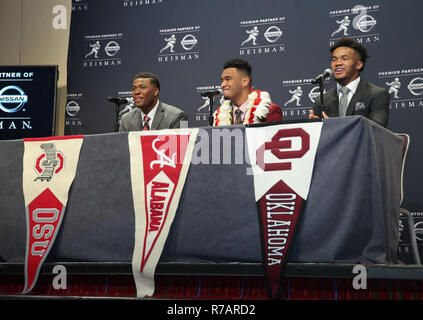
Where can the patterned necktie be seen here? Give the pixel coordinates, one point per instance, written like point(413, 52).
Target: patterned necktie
point(343, 102)
point(146, 126)
point(238, 119)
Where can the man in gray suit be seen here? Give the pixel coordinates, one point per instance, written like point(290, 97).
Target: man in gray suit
point(352, 95)
point(150, 113)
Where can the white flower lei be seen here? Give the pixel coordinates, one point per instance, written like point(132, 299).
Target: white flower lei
point(224, 112)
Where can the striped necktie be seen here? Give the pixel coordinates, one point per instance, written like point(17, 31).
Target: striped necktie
point(145, 125)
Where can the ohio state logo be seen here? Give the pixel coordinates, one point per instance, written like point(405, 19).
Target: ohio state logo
point(276, 146)
point(50, 163)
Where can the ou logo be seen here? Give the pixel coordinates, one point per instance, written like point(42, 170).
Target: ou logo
point(282, 149)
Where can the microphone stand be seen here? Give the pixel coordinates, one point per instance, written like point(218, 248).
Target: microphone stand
point(319, 79)
point(117, 108)
point(211, 99)
point(321, 90)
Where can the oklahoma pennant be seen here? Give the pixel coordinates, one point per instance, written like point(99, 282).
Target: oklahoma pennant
point(282, 159)
point(49, 167)
point(159, 166)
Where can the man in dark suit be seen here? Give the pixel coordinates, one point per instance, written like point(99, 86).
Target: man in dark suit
point(150, 113)
point(352, 95)
point(243, 105)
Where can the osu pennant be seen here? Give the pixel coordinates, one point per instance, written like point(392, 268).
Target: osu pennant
point(49, 167)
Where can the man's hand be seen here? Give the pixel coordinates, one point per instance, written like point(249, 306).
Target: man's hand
point(311, 115)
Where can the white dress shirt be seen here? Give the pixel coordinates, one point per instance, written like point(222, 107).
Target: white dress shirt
point(352, 86)
point(151, 114)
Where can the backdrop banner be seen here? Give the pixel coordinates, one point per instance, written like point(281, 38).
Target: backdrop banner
point(186, 44)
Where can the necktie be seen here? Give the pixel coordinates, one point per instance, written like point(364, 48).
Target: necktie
point(145, 125)
point(238, 119)
point(343, 102)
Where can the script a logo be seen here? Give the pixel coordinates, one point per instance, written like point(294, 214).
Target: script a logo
point(276, 146)
point(163, 160)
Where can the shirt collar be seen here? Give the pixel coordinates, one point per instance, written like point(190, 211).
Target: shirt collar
point(352, 86)
point(243, 107)
point(152, 113)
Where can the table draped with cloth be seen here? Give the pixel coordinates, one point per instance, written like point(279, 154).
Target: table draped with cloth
point(351, 214)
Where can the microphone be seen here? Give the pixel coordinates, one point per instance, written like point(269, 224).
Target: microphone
point(327, 73)
point(117, 100)
point(210, 94)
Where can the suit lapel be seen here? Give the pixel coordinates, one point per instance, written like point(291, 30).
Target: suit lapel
point(158, 117)
point(137, 120)
point(356, 97)
point(331, 103)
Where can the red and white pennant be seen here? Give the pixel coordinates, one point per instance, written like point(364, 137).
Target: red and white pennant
point(49, 167)
point(282, 160)
point(159, 166)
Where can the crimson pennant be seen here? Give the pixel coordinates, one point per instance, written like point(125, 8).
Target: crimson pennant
point(282, 161)
point(159, 166)
point(279, 210)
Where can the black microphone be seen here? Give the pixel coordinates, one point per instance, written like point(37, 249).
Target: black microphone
point(210, 94)
point(327, 73)
point(117, 100)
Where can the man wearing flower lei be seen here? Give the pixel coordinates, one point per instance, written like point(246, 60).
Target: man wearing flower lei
point(243, 105)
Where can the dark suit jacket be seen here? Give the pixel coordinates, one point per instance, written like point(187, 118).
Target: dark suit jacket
point(368, 100)
point(166, 117)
